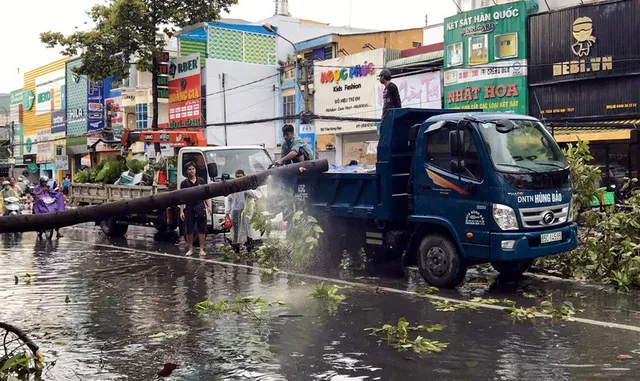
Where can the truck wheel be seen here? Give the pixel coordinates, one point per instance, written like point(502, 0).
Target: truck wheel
point(439, 262)
point(512, 269)
point(111, 228)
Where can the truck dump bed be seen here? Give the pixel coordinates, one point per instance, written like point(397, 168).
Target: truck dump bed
point(383, 194)
point(98, 193)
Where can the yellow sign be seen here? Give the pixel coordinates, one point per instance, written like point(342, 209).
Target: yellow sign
point(583, 34)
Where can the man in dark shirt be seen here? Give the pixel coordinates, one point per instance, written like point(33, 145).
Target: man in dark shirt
point(391, 95)
point(194, 213)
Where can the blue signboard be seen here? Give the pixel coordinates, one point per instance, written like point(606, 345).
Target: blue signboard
point(58, 124)
point(307, 133)
point(95, 106)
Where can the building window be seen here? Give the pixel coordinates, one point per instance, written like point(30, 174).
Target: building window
point(328, 52)
point(142, 116)
point(289, 107)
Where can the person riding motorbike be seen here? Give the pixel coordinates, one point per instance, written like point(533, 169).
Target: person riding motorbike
point(9, 197)
point(44, 190)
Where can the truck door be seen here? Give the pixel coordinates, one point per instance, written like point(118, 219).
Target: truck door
point(450, 182)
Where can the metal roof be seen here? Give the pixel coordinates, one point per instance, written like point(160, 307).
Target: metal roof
point(416, 60)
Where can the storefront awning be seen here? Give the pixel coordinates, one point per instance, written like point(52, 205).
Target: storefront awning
point(609, 130)
point(416, 60)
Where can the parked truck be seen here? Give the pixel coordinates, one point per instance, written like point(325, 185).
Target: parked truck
point(450, 190)
point(251, 159)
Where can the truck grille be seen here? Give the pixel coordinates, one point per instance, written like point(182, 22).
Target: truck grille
point(544, 216)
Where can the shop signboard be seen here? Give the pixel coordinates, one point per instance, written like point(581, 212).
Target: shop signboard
point(58, 123)
point(15, 117)
point(50, 92)
point(184, 91)
point(346, 86)
point(580, 67)
point(30, 145)
point(45, 151)
point(95, 105)
point(308, 134)
point(62, 163)
point(416, 91)
point(485, 59)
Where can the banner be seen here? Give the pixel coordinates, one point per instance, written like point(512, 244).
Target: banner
point(416, 91)
point(184, 91)
point(62, 163)
point(45, 153)
point(95, 106)
point(50, 92)
point(485, 59)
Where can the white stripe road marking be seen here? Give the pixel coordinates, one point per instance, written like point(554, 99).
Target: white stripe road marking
point(363, 285)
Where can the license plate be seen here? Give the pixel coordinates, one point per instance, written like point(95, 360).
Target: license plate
point(551, 237)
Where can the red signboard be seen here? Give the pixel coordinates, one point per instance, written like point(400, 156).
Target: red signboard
point(184, 93)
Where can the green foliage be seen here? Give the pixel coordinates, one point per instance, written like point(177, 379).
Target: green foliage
point(241, 305)
point(398, 337)
point(485, 301)
point(136, 166)
point(110, 172)
point(324, 293)
point(82, 177)
point(563, 312)
point(20, 366)
point(446, 306)
point(609, 240)
point(303, 233)
point(584, 176)
point(520, 313)
point(127, 28)
point(427, 291)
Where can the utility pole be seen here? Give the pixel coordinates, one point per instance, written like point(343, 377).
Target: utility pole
point(306, 74)
point(224, 108)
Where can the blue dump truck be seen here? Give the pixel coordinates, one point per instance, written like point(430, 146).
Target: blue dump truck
point(450, 190)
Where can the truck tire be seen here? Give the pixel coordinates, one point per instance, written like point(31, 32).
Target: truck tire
point(111, 228)
point(512, 269)
point(439, 262)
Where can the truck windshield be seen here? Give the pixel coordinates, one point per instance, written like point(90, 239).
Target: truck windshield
point(249, 160)
point(526, 148)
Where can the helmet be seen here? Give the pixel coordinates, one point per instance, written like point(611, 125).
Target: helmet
point(44, 179)
point(20, 179)
point(5, 183)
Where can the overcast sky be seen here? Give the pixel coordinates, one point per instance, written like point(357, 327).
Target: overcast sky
point(21, 24)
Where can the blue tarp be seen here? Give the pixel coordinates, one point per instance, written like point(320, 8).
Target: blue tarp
point(362, 168)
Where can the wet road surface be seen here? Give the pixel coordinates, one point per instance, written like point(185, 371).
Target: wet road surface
point(130, 311)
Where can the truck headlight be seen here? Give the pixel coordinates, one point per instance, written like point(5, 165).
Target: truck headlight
point(505, 217)
point(572, 215)
point(218, 207)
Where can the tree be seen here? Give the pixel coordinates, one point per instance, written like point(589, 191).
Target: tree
point(39, 222)
point(129, 28)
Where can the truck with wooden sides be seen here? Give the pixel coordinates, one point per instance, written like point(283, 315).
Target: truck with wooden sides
point(227, 160)
point(450, 190)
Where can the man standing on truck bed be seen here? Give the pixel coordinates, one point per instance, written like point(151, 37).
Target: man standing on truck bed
point(294, 149)
point(391, 95)
point(194, 213)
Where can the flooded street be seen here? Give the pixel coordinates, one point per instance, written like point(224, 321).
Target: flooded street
point(130, 309)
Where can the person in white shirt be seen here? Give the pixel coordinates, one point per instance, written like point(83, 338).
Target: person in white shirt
point(235, 205)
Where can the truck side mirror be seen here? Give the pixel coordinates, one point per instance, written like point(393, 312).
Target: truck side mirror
point(212, 168)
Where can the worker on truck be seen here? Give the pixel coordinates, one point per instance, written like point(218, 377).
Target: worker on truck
point(391, 95)
point(294, 149)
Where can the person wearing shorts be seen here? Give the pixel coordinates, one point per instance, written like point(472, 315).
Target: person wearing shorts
point(194, 214)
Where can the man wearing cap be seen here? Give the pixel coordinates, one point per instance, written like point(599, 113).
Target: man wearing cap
point(391, 95)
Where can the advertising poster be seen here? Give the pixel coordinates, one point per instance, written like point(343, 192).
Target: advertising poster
point(486, 59)
point(184, 91)
point(416, 91)
point(50, 92)
point(44, 153)
point(30, 145)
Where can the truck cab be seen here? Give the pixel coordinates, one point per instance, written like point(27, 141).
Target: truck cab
point(450, 190)
point(227, 160)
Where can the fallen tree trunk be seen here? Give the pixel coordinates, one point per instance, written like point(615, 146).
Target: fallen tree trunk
point(39, 222)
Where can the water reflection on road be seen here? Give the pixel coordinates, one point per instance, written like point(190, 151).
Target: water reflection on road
point(129, 313)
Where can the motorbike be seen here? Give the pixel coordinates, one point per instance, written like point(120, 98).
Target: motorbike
point(11, 206)
point(49, 202)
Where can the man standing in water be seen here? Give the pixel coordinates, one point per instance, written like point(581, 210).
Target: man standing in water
point(391, 95)
point(194, 213)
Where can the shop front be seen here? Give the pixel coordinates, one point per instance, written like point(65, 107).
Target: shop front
point(585, 86)
point(485, 62)
point(346, 87)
